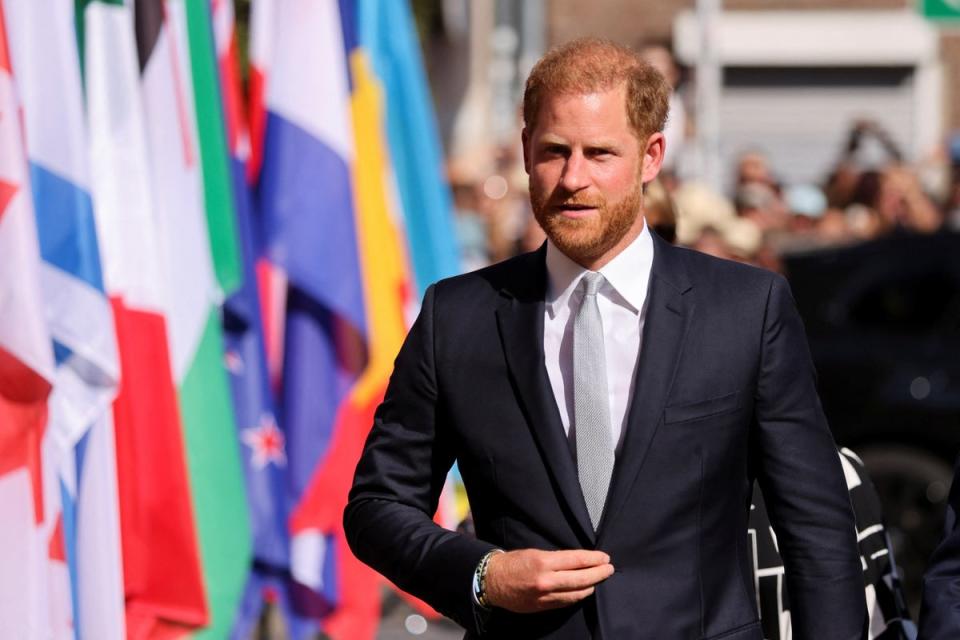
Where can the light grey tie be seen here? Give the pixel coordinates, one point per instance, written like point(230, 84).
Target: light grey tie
point(591, 406)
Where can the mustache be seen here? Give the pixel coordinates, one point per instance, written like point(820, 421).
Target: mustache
point(565, 199)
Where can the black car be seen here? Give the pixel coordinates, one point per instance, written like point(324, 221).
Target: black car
point(883, 320)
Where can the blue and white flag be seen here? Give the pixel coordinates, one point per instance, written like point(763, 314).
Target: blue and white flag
point(78, 449)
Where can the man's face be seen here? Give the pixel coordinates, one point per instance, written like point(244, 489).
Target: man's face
point(586, 171)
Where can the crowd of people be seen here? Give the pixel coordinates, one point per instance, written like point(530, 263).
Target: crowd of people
point(870, 191)
point(760, 220)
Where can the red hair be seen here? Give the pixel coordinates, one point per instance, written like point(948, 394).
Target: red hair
point(588, 65)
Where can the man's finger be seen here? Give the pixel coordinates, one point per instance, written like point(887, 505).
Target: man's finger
point(574, 559)
point(576, 579)
point(564, 598)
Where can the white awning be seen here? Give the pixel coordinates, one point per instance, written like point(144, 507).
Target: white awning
point(812, 38)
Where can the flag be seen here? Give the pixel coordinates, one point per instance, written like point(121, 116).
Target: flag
point(303, 153)
point(191, 196)
point(163, 581)
point(264, 451)
point(317, 520)
point(26, 374)
point(44, 50)
point(215, 156)
point(305, 203)
point(387, 33)
point(271, 279)
point(225, 493)
point(335, 232)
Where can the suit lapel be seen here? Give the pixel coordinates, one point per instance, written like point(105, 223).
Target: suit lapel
point(665, 327)
point(520, 320)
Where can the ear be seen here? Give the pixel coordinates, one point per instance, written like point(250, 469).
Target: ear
point(527, 147)
point(653, 157)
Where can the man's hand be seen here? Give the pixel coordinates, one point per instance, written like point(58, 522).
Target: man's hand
point(531, 580)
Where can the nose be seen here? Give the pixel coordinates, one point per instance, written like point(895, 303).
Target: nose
point(575, 173)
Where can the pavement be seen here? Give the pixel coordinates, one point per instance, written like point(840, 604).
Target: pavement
point(401, 622)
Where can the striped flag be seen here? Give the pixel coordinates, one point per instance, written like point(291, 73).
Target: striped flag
point(192, 197)
point(264, 450)
point(387, 33)
point(135, 365)
point(27, 605)
point(304, 150)
point(80, 443)
point(317, 520)
point(156, 513)
point(225, 526)
point(333, 212)
point(271, 278)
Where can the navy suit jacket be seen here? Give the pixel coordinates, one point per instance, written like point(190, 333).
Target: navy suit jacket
point(940, 610)
point(724, 393)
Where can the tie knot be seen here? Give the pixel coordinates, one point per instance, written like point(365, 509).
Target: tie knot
point(590, 283)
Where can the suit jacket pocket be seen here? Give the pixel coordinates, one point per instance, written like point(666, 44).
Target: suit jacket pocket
point(751, 631)
point(702, 408)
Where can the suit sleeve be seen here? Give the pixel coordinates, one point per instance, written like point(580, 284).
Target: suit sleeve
point(802, 480)
point(940, 609)
point(388, 518)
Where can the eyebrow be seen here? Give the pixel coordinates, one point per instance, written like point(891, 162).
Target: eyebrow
point(603, 143)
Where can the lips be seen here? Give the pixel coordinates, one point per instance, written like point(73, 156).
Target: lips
point(575, 210)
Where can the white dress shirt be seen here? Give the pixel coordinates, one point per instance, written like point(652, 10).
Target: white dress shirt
point(621, 299)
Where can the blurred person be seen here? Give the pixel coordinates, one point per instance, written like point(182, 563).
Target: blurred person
point(760, 203)
point(840, 185)
point(735, 239)
point(675, 130)
point(806, 204)
point(711, 242)
point(767, 257)
point(503, 199)
point(891, 200)
point(708, 222)
point(533, 236)
point(754, 168)
point(902, 203)
point(507, 217)
point(940, 608)
point(609, 478)
point(862, 217)
point(698, 206)
point(660, 210)
point(469, 224)
point(832, 228)
point(812, 224)
point(854, 180)
point(758, 199)
point(844, 179)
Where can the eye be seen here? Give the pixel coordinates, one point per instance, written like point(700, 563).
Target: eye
point(555, 150)
point(599, 153)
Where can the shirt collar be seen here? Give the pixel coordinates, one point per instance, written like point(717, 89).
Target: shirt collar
point(627, 275)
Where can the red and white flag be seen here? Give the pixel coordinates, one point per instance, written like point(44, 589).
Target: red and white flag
point(27, 537)
point(163, 584)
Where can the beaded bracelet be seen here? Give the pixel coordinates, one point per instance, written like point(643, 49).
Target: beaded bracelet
point(481, 578)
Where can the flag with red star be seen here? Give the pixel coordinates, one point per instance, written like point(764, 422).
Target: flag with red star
point(266, 443)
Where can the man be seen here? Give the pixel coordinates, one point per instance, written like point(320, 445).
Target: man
point(940, 611)
point(609, 400)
